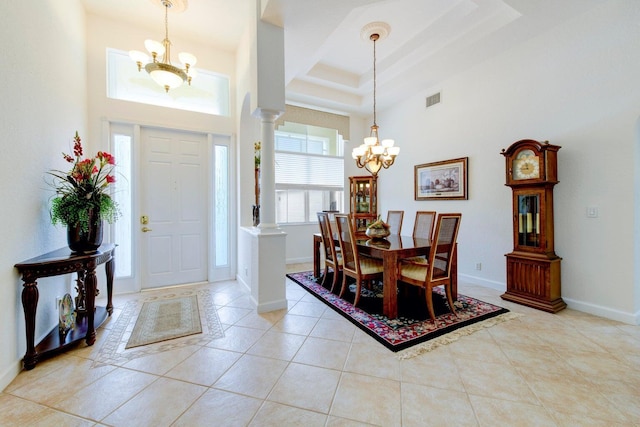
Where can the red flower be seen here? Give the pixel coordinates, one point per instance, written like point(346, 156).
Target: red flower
point(77, 146)
point(88, 177)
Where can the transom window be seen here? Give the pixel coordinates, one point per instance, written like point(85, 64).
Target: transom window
point(208, 93)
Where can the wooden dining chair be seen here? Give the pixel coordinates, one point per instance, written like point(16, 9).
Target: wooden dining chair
point(332, 258)
point(423, 225)
point(394, 219)
point(361, 268)
point(423, 229)
point(438, 270)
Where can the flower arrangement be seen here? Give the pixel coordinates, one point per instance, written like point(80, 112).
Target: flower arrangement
point(256, 162)
point(83, 191)
point(379, 224)
point(256, 154)
point(378, 229)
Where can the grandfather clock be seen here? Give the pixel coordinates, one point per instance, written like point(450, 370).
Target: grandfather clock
point(533, 268)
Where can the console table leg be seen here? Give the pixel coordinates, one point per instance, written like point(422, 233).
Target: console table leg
point(30, 297)
point(109, 268)
point(90, 302)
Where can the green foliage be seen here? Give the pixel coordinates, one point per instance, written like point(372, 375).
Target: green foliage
point(72, 210)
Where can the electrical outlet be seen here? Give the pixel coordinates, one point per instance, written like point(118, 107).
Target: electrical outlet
point(592, 212)
point(478, 266)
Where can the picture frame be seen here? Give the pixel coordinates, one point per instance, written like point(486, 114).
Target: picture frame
point(444, 180)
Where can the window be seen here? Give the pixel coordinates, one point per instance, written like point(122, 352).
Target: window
point(122, 229)
point(208, 93)
point(309, 172)
point(221, 207)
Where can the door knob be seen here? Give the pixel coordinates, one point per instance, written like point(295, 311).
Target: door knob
point(145, 229)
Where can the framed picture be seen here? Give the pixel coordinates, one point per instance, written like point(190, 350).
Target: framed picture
point(445, 180)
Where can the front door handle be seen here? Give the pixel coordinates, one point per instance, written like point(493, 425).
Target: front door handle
point(145, 229)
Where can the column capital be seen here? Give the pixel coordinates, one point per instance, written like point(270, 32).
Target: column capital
point(268, 115)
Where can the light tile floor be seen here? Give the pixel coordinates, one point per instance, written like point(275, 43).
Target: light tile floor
point(307, 366)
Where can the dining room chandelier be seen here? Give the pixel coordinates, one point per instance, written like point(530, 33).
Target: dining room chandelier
point(374, 154)
point(162, 71)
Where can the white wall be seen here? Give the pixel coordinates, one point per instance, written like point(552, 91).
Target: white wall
point(43, 104)
point(576, 86)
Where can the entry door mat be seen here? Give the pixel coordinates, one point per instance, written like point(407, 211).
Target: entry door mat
point(163, 320)
point(113, 349)
point(413, 332)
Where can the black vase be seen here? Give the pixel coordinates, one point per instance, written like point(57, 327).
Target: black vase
point(85, 241)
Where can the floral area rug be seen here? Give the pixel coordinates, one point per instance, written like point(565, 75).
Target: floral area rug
point(113, 349)
point(413, 331)
point(163, 320)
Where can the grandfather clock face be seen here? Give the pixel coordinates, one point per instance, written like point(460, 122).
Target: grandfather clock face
point(526, 165)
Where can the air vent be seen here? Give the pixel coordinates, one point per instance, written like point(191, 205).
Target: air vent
point(433, 99)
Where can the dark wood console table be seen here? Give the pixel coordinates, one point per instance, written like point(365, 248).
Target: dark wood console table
point(55, 263)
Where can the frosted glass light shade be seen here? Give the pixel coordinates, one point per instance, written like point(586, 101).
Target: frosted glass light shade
point(377, 149)
point(370, 140)
point(187, 58)
point(154, 47)
point(138, 56)
point(166, 78)
point(393, 151)
point(387, 142)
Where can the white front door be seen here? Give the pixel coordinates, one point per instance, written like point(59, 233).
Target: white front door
point(173, 203)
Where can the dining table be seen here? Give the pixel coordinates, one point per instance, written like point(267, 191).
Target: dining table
point(390, 250)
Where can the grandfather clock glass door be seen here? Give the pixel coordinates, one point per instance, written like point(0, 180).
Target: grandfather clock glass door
point(528, 230)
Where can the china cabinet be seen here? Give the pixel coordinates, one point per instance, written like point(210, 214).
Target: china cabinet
point(363, 201)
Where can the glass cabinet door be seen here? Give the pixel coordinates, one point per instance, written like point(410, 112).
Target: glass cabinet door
point(363, 197)
point(528, 220)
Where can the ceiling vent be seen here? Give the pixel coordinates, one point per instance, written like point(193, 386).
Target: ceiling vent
point(433, 99)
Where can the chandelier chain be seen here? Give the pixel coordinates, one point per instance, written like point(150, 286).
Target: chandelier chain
point(167, 42)
point(374, 37)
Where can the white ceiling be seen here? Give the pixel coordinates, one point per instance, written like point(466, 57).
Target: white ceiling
point(327, 62)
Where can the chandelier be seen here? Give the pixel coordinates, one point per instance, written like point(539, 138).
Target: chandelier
point(163, 72)
point(375, 154)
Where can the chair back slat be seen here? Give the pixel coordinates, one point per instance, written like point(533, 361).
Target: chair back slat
point(423, 226)
point(347, 243)
point(443, 245)
point(327, 236)
point(394, 219)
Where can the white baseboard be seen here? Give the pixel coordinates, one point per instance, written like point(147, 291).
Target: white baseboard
point(300, 260)
point(596, 310)
point(272, 306)
point(606, 312)
point(10, 374)
point(474, 280)
point(241, 282)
